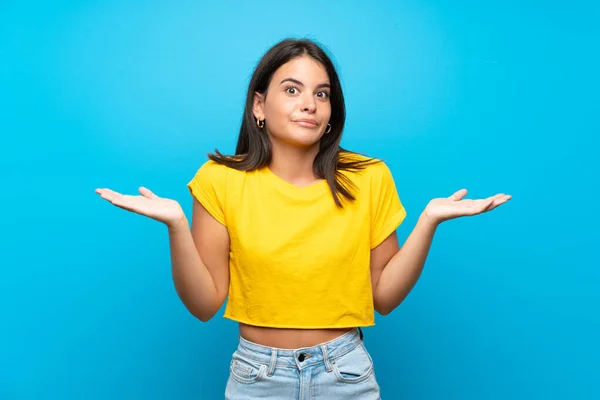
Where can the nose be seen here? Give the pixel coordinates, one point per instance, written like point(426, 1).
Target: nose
point(308, 103)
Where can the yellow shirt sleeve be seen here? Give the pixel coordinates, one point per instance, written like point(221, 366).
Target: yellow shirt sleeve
point(208, 187)
point(387, 211)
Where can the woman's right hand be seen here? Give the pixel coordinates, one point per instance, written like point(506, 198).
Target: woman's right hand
point(148, 204)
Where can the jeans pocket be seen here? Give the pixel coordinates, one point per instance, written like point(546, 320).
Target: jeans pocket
point(354, 366)
point(244, 370)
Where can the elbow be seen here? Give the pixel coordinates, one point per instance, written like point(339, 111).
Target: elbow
point(381, 306)
point(203, 316)
point(382, 309)
point(202, 309)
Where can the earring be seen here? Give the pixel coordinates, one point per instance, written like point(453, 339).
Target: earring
point(328, 128)
point(260, 123)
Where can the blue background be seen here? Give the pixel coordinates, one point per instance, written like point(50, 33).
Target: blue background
point(490, 96)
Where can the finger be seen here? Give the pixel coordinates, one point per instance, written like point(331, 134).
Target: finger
point(130, 203)
point(479, 206)
point(122, 203)
point(489, 204)
point(492, 202)
point(117, 199)
point(498, 200)
point(500, 197)
point(458, 195)
point(147, 193)
point(501, 200)
point(106, 190)
point(108, 194)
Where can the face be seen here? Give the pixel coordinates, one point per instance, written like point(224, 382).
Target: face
point(297, 107)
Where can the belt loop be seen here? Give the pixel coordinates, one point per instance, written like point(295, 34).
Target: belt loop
point(272, 362)
point(328, 366)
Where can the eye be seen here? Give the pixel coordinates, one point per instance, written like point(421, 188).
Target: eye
point(323, 94)
point(291, 89)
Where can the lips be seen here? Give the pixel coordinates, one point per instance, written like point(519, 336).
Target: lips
point(307, 123)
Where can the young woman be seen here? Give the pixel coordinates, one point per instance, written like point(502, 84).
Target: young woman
point(298, 234)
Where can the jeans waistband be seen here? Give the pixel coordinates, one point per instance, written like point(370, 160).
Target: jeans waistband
point(301, 357)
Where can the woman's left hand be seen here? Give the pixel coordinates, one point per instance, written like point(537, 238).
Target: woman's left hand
point(443, 209)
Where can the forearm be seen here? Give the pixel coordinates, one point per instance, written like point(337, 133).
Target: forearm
point(193, 282)
point(404, 269)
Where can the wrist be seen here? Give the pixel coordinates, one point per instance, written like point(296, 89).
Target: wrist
point(428, 219)
point(178, 223)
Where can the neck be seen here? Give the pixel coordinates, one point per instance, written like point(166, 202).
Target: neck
point(294, 164)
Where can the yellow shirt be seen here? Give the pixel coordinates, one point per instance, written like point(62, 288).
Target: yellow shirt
point(297, 260)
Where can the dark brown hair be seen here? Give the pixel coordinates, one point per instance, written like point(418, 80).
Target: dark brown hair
point(253, 149)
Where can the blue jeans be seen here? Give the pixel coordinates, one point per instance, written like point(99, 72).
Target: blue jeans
point(338, 369)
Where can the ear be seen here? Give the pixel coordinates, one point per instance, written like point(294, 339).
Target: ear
point(258, 106)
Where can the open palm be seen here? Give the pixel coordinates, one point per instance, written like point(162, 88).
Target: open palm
point(148, 204)
point(443, 209)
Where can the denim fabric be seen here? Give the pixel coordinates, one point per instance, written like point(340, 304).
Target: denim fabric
point(338, 369)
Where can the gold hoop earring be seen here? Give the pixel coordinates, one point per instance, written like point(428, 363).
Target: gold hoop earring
point(328, 128)
point(260, 124)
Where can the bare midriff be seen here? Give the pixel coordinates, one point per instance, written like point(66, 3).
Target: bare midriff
point(289, 338)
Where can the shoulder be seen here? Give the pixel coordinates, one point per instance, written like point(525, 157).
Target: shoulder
point(214, 170)
point(211, 167)
point(364, 165)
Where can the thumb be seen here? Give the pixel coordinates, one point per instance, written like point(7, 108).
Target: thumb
point(147, 193)
point(458, 195)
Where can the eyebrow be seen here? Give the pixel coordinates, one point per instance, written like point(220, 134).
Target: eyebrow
point(297, 82)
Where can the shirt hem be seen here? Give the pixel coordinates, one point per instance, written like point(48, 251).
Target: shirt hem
point(293, 326)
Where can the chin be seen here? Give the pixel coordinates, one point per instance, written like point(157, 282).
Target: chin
point(306, 142)
point(304, 138)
